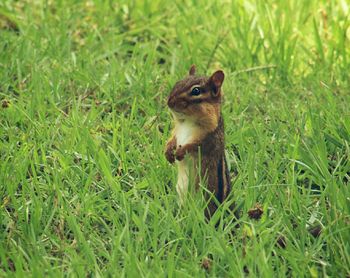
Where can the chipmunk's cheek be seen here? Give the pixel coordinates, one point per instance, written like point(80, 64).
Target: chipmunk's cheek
point(194, 110)
point(181, 106)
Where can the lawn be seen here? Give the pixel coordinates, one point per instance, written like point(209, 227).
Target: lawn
point(85, 189)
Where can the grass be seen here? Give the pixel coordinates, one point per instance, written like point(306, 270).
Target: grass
point(85, 188)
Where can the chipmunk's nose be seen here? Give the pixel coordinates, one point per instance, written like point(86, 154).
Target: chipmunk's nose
point(171, 102)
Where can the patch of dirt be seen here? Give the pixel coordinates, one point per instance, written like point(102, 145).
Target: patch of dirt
point(315, 231)
point(281, 242)
point(256, 212)
point(206, 264)
point(5, 103)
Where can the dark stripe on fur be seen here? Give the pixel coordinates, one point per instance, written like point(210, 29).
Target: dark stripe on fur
point(221, 182)
point(228, 179)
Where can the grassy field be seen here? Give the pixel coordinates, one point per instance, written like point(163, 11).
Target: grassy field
point(85, 189)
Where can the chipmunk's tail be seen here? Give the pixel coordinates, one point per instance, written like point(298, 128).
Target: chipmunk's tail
point(225, 187)
point(224, 182)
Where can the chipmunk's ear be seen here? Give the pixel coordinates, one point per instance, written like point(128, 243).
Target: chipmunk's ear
point(216, 80)
point(192, 70)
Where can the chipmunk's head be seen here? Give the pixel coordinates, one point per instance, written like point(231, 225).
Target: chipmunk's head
point(197, 97)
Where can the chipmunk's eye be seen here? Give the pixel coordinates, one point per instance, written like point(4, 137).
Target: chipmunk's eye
point(196, 91)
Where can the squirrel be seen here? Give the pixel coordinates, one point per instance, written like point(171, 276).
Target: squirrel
point(197, 143)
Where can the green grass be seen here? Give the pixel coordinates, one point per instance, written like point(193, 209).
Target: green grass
point(85, 189)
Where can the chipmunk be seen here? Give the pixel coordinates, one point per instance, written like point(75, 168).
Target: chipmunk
point(197, 142)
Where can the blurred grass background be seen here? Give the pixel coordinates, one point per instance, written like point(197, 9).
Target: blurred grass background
point(85, 189)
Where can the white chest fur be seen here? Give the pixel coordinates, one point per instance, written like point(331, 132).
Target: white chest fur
point(185, 132)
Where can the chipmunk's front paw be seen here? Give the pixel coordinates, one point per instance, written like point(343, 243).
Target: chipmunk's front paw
point(169, 154)
point(180, 154)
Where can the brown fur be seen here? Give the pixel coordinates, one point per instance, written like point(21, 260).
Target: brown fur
point(204, 111)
